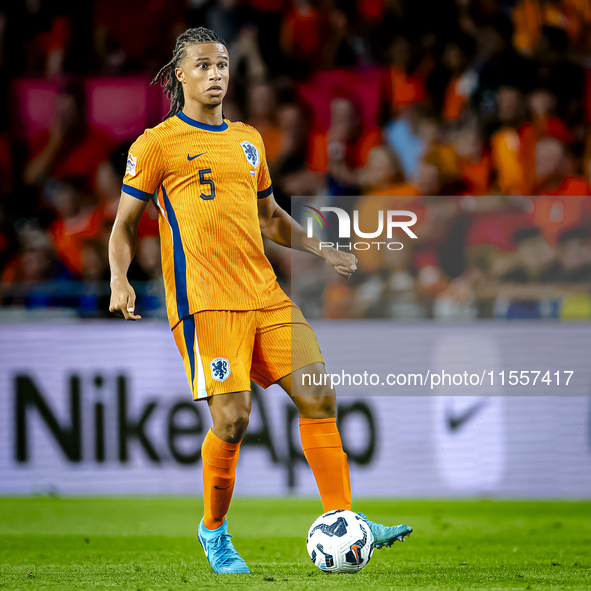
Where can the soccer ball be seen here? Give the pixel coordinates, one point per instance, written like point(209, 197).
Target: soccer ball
point(340, 542)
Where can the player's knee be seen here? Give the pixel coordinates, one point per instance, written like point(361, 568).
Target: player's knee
point(235, 426)
point(327, 406)
point(322, 406)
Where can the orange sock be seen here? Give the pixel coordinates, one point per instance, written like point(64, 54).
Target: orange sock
point(323, 449)
point(219, 474)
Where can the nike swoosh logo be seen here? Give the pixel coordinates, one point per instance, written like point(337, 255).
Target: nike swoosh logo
point(222, 488)
point(455, 422)
point(189, 158)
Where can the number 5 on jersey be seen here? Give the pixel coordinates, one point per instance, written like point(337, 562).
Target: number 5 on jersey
point(204, 181)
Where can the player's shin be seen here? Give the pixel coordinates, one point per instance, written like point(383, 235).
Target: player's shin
point(323, 449)
point(219, 474)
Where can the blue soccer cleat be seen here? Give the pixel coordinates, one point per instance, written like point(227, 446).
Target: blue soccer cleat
point(220, 552)
point(385, 536)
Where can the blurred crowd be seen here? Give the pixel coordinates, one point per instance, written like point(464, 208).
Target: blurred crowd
point(473, 114)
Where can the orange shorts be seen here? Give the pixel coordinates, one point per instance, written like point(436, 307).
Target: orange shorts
point(223, 350)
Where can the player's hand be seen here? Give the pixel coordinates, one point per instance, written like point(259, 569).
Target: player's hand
point(344, 263)
point(123, 299)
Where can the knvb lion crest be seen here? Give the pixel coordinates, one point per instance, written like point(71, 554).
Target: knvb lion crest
point(220, 369)
point(251, 153)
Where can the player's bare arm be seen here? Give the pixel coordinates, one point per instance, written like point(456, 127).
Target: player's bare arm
point(122, 245)
point(277, 225)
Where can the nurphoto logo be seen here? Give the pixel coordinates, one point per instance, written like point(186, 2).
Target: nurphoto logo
point(389, 220)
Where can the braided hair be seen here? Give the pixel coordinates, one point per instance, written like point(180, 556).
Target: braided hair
point(166, 76)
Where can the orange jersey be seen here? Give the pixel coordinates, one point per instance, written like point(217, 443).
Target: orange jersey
point(205, 181)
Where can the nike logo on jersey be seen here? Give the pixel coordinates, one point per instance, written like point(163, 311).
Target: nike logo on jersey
point(222, 487)
point(189, 158)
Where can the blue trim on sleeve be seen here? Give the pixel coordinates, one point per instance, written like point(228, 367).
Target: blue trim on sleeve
point(137, 193)
point(265, 193)
point(221, 127)
point(180, 261)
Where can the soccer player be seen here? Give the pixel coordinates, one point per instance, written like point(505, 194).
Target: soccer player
point(231, 321)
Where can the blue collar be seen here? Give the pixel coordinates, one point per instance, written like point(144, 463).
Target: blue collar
point(221, 127)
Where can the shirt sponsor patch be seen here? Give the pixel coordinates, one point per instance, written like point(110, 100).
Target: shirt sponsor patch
point(131, 164)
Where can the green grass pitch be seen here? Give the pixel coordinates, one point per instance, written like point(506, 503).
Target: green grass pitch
point(48, 543)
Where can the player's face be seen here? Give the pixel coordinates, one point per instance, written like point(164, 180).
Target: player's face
point(205, 73)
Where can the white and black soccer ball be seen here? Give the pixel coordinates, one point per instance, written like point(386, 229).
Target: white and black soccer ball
point(340, 542)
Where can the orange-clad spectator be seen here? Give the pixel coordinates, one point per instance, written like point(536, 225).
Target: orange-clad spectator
point(553, 168)
point(437, 151)
point(76, 156)
point(508, 151)
point(344, 144)
point(581, 7)
point(303, 32)
point(402, 86)
point(387, 194)
point(474, 163)
point(78, 220)
point(527, 22)
point(564, 201)
point(529, 16)
point(562, 15)
point(384, 189)
point(262, 107)
point(369, 207)
point(403, 191)
point(69, 147)
point(455, 100)
point(458, 89)
point(542, 104)
point(582, 11)
point(382, 174)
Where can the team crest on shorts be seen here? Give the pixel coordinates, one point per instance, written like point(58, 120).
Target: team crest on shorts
point(251, 153)
point(220, 369)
